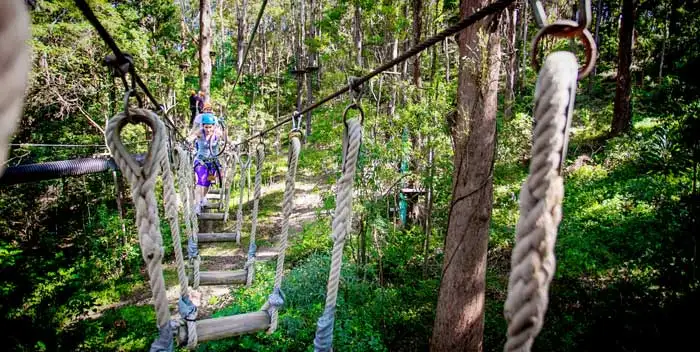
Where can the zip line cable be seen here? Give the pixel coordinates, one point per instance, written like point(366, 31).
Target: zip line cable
point(491, 9)
point(121, 58)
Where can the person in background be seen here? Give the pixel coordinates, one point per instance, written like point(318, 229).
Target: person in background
point(206, 164)
point(206, 110)
point(194, 105)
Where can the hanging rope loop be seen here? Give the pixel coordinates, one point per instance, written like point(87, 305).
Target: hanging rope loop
point(143, 183)
point(566, 29)
point(352, 139)
point(353, 106)
point(532, 260)
point(296, 121)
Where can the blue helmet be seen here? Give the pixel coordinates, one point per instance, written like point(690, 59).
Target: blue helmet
point(208, 119)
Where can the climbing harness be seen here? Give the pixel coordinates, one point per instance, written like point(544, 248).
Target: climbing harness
point(352, 138)
point(541, 195)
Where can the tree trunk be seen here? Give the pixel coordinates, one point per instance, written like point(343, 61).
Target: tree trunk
point(205, 39)
point(459, 321)
point(526, 45)
point(622, 111)
point(417, 28)
point(357, 33)
point(429, 209)
point(221, 57)
point(241, 8)
point(663, 45)
point(511, 63)
point(446, 46)
point(596, 38)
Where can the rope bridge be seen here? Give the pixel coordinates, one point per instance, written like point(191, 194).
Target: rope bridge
point(533, 262)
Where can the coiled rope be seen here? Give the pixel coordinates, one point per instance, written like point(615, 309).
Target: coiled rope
point(252, 248)
point(532, 260)
point(14, 67)
point(352, 139)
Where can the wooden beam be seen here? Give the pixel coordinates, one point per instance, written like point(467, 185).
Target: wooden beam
point(222, 277)
point(213, 205)
point(221, 328)
point(213, 196)
point(216, 237)
point(211, 216)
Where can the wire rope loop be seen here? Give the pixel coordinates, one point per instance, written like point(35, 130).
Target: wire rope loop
point(583, 18)
point(128, 94)
point(567, 29)
point(296, 121)
point(353, 106)
point(354, 89)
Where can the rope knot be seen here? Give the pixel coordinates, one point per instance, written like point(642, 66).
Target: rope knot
point(276, 298)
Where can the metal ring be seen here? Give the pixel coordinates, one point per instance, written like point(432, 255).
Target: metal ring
point(567, 29)
point(356, 107)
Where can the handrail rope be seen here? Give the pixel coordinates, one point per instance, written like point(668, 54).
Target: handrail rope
point(541, 195)
point(252, 247)
point(491, 9)
point(239, 214)
point(323, 342)
point(16, 61)
point(187, 310)
point(50, 145)
point(276, 298)
point(143, 181)
point(121, 59)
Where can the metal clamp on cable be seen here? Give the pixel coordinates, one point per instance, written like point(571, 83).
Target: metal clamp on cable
point(355, 90)
point(566, 29)
point(296, 121)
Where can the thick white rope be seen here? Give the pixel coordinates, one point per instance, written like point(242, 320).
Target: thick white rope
point(276, 299)
point(252, 248)
point(170, 206)
point(231, 161)
point(185, 194)
point(14, 66)
point(143, 180)
point(192, 244)
point(239, 214)
point(532, 260)
point(341, 224)
point(188, 311)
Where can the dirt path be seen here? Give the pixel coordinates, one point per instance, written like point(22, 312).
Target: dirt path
point(230, 256)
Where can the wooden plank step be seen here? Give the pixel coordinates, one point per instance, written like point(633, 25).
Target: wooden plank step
point(222, 277)
point(223, 327)
point(211, 216)
point(212, 205)
point(216, 237)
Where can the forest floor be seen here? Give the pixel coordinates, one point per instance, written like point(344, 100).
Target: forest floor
point(220, 256)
